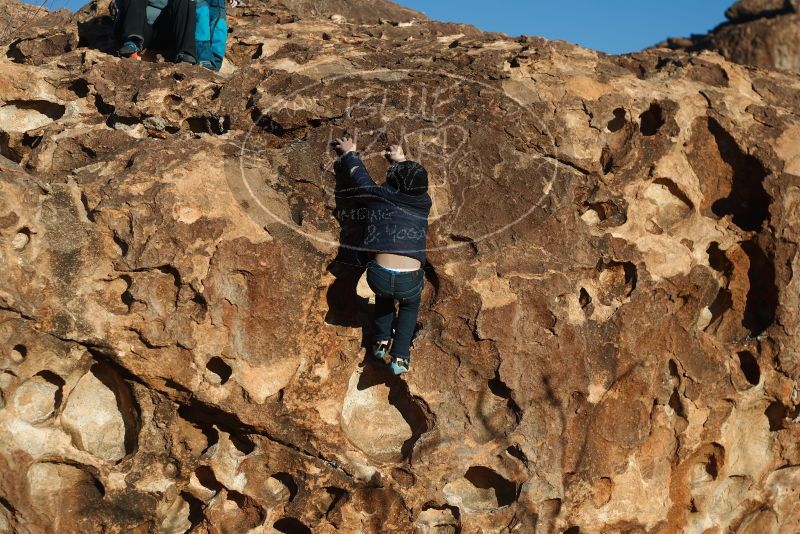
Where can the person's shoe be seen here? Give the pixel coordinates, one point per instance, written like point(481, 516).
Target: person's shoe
point(183, 57)
point(206, 65)
point(130, 49)
point(380, 349)
point(399, 366)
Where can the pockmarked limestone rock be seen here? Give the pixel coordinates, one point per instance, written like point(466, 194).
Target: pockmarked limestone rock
point(609, 337)
point(762, 33)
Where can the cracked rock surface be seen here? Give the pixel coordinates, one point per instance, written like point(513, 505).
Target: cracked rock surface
point(609, 338)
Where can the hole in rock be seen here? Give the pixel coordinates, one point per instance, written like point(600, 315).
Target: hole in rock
point(712, 466)
point(336, 495)
point(498, 412)
point(207, 478)
point(121, 123)
point(287, 480)
point(55, 380)
point(31, 141)
point(121, 243)
point(7, 150)
point(573, 530)
point(14, 53)
point(721, 304)
point(31, 112)
point(102, 107)
point(673, 369)
point(218, 366)
point(584, 299)
point(776, 414)
point(516, 452)
point(19, 353)
point(90, 212)
point(618, 122)
point(750, 367)
point(718, 260)
point(762, 297)
point(211, 434)
point(126, 297)
point(248, 515)
point(616, 280)
point(708, 462)
point(206, 417)
point(725, 169)
point(243, 443)
point(676, 404)
point(505, 491)
point(291, 525)
point(80, 87)
point(609, 213)
point(266, 123)
point(606, 159)
point(200, 124)
point(652, 120)
point(196, 507)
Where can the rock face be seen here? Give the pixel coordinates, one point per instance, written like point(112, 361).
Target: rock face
point(763, 33)
point(609, 338)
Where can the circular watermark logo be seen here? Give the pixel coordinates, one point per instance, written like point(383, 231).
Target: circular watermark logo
point(489, 157)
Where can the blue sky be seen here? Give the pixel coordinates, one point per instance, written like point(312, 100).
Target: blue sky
point(613, 26)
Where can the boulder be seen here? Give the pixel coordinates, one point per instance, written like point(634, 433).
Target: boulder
point(609, 336)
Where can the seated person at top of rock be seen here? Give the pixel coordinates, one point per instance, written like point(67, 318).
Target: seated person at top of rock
point(165, 25)
point(395, 234)
point(211, 33)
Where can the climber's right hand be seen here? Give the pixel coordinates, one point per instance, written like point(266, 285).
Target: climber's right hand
point(344, 144)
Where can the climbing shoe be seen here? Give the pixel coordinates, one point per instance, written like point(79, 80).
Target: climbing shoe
point(380, 349)
point(130, 49)
point(184, 57)
point(399, 366)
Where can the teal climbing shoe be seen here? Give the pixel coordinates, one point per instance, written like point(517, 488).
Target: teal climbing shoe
point(399, 366)
point(380, 350)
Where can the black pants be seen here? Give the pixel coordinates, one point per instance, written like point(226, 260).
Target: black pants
point(172, 32)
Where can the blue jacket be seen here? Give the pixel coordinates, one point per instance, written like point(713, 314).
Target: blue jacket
point(394, 222)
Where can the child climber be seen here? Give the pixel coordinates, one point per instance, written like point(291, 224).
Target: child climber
point(395, 233)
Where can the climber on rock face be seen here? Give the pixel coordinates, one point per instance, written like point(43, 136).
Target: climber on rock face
point(396, 218)
point(166, 25)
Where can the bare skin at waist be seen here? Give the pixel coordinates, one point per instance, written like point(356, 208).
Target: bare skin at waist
point(396, 261)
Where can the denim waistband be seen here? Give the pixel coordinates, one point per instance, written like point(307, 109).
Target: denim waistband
point(388, 270)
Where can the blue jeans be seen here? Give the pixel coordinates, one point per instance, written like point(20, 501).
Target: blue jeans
point(390, 286)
